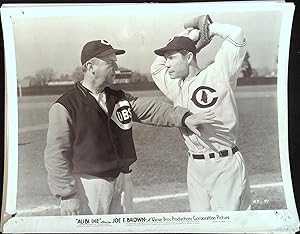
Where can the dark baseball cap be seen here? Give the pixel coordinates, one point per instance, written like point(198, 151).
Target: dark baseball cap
point(98, 48)
point(178, 43)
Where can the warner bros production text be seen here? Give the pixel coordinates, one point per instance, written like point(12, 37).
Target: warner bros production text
point(151, 219)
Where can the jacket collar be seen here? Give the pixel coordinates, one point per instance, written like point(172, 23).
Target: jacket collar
point(86, 97)
point(112, 97)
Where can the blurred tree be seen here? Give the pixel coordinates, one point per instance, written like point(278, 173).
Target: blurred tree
point(45, 75)
point(138, 77)
point(65, 77)
point(26, 80)
point(254, 73)
point(37, 82)
point(264, 70)
point(246, 66)
point(77, 74)
point(149, 77)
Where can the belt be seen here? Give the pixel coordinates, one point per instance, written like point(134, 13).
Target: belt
point(222, 153)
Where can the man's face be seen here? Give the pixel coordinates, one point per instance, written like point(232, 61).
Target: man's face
point(104, 70)
point(177, 64)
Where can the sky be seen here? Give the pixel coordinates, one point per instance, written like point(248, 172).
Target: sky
point(55, 40)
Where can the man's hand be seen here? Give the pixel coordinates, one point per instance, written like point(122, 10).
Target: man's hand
point(201, 23)
point(193, 121)
point(70, 206)
point(192, 33)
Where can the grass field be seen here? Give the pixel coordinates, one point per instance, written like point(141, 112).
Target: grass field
point(159, 175)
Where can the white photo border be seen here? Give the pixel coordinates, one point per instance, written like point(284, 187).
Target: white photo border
point(242, 221)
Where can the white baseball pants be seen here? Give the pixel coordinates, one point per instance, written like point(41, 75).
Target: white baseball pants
point(218, 184)
point(100, 196)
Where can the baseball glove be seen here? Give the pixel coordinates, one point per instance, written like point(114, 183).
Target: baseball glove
point(201, 23)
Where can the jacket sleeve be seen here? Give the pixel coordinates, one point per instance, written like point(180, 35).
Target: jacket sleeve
point(58, 152)
point(156, 112)
point(229, 58)
point(159, 72)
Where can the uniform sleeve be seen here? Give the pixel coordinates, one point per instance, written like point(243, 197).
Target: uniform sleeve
point(168, 86)
point(58, 152)
point(156, 112)
point(230, 56)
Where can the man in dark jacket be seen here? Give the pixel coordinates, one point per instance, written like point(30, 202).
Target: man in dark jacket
point(89, 142)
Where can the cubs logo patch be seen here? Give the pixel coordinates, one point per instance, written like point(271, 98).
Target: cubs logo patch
point(204, 97)
point(122, 115)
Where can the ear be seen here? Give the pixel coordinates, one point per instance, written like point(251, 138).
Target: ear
point(189, 57)
point(90, 67)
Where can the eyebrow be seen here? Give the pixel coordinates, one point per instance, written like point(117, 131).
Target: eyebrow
point(170, 55)
point(108, 59)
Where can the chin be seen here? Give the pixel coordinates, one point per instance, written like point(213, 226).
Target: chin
point(107, 84)
point(174, 77)
point(111, 80)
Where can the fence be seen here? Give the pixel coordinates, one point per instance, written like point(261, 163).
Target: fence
point(60, 89)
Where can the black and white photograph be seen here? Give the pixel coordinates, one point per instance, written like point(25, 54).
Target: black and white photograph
point(147, 117)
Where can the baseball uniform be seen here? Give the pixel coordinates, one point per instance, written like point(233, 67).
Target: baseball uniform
point(216, 176)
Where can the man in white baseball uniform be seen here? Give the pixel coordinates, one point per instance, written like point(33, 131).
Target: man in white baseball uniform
point(216, 175)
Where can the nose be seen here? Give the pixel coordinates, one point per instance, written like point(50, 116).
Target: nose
point(167, 64)
point(115, 65)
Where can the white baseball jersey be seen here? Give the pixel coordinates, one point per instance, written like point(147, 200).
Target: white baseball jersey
point(211, 89)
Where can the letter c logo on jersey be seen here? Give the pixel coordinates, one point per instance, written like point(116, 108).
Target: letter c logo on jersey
point(122, 115)
point(204, 97)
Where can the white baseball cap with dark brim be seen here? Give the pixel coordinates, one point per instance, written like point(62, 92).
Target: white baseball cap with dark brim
point(178, 43)
point(98, 48)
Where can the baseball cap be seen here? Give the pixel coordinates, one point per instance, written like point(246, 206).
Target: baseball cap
point(98, 48)
point(178, 43)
